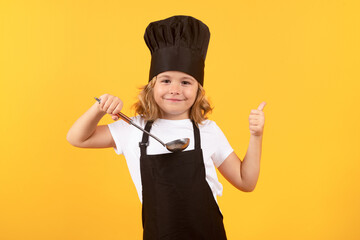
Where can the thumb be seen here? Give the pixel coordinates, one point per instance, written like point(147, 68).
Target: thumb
point(261, 106)
point(114, 117)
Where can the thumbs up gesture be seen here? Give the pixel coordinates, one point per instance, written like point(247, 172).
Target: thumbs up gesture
point(257, 120)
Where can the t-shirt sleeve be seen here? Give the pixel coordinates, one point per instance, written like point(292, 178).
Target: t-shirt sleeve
point(223, 148)
point(118, 129)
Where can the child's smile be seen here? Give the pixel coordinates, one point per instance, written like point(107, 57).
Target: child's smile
point(175, 92)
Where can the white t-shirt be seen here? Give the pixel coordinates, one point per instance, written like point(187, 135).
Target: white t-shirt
point(214, 144)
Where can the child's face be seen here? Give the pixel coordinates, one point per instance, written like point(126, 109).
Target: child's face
point(175, 92)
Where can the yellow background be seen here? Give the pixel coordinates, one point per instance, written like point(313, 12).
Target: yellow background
point(301, 57)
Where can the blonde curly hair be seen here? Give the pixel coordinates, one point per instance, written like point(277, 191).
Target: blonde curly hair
point(150, 111)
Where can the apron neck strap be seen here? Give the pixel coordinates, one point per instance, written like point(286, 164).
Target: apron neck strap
point(145, 138)
point(196, 135)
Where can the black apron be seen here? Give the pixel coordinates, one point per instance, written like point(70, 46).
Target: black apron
point(178, 203)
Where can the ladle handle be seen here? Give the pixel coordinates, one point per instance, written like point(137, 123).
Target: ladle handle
point(132, 123)
point(129, 121)
point(124, 117)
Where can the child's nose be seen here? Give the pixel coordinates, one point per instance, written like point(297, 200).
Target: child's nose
point(174, 89)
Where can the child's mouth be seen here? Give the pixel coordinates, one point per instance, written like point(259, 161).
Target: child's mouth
point(174, 99)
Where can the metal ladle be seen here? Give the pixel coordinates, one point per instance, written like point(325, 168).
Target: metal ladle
point(173, 146)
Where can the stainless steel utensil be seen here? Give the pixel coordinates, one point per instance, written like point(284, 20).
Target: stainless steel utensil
point(173, 146)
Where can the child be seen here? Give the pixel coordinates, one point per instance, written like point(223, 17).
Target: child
point(178, 190)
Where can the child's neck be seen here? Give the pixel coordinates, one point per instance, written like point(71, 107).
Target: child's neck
point(175, 116)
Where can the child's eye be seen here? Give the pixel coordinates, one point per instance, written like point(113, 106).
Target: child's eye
point(165, 81)
point(186, 82)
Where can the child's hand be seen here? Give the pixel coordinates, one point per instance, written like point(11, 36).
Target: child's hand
point(257, 120)
point(111, 105)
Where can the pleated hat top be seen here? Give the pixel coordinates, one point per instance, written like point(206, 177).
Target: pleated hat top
point(178, 43)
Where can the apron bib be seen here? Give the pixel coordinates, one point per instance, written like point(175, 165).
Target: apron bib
point(178, 203)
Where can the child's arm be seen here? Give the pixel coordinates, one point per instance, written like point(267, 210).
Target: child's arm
point(86, 134)
point(244, 174)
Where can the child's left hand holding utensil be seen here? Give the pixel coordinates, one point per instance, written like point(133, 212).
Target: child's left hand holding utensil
point(257, 120)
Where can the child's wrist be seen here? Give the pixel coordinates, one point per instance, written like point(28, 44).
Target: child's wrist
point(258, 136)
point(96, 107)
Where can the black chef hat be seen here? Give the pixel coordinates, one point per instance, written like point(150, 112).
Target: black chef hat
point(178, 43)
